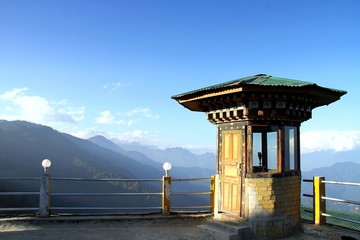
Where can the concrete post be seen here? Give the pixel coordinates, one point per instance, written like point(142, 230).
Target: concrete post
point(319, 203)
point(166, 193)
point(44, 202)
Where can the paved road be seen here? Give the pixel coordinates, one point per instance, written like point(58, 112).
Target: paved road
point(144, 228)
point(171, 229)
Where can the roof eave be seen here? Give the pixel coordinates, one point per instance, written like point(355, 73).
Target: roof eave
point(325, 96)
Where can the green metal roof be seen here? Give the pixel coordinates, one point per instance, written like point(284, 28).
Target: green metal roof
point(260, 80)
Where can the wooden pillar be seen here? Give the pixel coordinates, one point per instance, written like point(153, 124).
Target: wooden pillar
point(249, 150)
point(264, 150)
point(297, 149)
point(280, 150)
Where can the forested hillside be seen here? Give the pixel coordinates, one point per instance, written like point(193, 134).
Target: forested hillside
point(24, 145)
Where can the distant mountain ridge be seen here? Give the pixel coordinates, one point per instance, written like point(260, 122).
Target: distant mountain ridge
point(24, 145)
point(178, 156)
point(185, 164)
point(339, 172)
point(107, 143)
point(328, 158)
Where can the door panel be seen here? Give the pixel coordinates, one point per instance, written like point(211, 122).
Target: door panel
point(231, 161)
point(235, 198)
point(226, 191)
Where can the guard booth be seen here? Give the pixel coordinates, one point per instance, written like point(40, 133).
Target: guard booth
point(258, 122)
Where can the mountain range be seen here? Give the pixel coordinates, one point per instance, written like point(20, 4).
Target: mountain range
point(321, 159)
point(339, 172)
point(184, 163)
point(24, 145)
point(178, 156)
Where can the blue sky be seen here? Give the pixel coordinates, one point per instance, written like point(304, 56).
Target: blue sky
point(111, 67)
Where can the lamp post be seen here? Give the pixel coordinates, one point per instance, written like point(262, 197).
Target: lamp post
point(166, 189)
point(44, 203)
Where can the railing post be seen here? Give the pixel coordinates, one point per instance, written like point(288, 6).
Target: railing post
point(212, 194)
point(319, 203)
point(166, 193)
point(44, 202)
point(216, 195)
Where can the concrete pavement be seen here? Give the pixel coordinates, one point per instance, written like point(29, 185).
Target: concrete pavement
point(144, 227)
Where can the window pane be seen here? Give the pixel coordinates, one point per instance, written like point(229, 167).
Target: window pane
point(272, 150)
point(292, 148)
point(265, 148)
point(257, 145)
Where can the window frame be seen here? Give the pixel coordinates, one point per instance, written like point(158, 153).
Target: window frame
point(287, 148)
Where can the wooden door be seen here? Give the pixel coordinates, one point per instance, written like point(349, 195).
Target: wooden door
point(231, 163)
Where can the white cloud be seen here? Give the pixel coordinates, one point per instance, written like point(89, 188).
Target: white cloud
point(11, 94)
point(20, 105)
point(106, 117)
point(73, 114)
point(137, 135)
point(333, 140)
point(86, 133)
point(33, 108)
point(200, 149)
point(112, 87)
point(145, 112)
point(62, 102)
point(125, 122)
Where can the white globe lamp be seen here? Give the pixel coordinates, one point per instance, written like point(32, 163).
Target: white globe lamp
point(46, 163)
point(167, 168)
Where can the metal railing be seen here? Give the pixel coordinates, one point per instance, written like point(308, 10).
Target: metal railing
point(165, 206)
point(319, 197)
point(103, 194)
point(28, 193)
point(210, 192)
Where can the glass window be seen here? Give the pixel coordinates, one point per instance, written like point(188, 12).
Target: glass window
point(272, 151)
point(291, 145)
point(257, 146)
point(265, 149)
